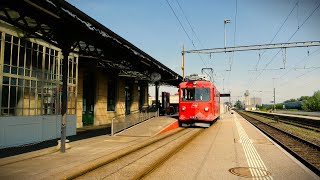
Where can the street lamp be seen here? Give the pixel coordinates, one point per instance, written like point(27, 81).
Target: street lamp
point(226, 21)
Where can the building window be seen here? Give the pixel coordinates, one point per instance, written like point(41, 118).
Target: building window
point(31, 78)
point(112, 87)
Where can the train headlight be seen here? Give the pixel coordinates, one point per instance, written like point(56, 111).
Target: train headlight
point(206, 109)
point(183, 108)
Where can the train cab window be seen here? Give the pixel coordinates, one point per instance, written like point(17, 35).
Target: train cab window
point(187, 94)
point(195, 94)
point(202, 94)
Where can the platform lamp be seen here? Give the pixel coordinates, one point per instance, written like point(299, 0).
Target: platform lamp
point(226, 21)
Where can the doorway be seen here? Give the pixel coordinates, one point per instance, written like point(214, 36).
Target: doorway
point(128, 97)
point(88, 99)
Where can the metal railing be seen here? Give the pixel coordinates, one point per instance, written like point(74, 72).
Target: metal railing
point(124, 121)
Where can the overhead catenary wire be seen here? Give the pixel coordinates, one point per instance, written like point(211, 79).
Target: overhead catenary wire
point(184, 30)
point(308, 72)
point(287, 41)
point(283, 23)
point(278, 31)
point(191, 27)
point(306, 57)
point(304, 22)
point(195, 34)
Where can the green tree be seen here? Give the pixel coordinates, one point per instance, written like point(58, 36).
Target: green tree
point(302, 98)
point(312, 103)
point(290, 100)
point(279, 106)
point(238, 105)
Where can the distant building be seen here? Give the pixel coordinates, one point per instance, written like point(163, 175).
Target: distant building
point(255, 101)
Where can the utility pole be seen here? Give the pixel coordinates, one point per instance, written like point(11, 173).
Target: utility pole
point(274, 99)
point(274, 95)
point(182, 63)
point(226, 21)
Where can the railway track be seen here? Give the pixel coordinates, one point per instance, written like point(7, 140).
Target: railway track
point(303, 122)
point(141, 160)
point(305, 151)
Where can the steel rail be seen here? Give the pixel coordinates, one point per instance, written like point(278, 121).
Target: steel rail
point(305, 151)
point(299, 120)
point(138, 148)
point(297, 123)
point(163, 159)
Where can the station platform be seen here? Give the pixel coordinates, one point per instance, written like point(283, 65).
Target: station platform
point(230, 149)
point(50, 163)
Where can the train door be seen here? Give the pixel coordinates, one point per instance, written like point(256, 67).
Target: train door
point(88, 99)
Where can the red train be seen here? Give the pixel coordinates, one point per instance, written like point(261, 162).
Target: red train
point(199, 102)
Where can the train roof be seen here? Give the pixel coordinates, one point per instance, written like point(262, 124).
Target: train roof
point(197, 77)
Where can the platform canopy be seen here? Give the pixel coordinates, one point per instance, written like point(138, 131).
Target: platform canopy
point(65, 26)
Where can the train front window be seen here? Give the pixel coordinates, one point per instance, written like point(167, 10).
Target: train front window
point(195, 94)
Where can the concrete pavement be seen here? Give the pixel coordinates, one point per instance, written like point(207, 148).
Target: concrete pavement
point(52, 164)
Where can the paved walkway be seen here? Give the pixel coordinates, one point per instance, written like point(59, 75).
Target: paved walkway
point(50, 163)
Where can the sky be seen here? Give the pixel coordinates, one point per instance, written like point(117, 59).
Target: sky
point(162, 27)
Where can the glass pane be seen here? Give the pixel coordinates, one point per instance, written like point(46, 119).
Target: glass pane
point(40, 57)
point(46, 62)
point(5, 96)
point(20, 71)
point(28, 58)
point(8, 38)
point(14, 70)
point(33, 83)
point(15, 40)
point(27, 72)
point(27, 83)
point(20, 82)
point(21, 57)
point(7, 53)
point(13, 81)
point(34, 59)
point(15, 55)
point(5, 80)
point(6, 69)
point(13, 96)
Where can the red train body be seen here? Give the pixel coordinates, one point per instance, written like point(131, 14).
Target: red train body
point(199, 103)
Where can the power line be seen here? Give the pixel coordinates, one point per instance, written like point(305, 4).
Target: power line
point(299, 62)
point(308, 72)
point(279, 30)
point(180, 22)
point(287, 41)
point(184, 29)
point(275, 36)
point(304, 22)
point(192, 29)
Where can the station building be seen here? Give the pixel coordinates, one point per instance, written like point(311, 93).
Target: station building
point(40, 42)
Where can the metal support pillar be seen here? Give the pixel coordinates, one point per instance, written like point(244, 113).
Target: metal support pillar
point(64, 100)
point(182, 63)
point(157, 96)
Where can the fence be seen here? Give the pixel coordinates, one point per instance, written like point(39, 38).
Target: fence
point(124, 121)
